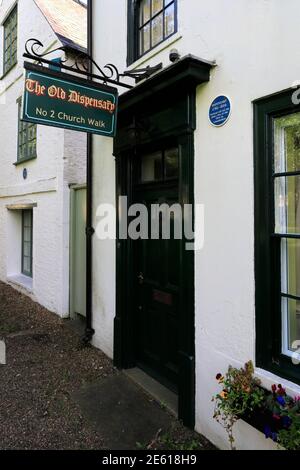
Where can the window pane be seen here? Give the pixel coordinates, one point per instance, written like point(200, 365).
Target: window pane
point(290, 324)
point(10, 41)
point(26, 265)
point(287, 143)
point(287, 204)
point(169, 20)
point(157, 6)
point(27, 139)
point(27, 234)
point(27, 249)
point(27, 242)
point(145, 39)
point(27, 218)
point(151, 167)
point(290, 267)
point(145, 11)
point(157, 30)
point(171, 163)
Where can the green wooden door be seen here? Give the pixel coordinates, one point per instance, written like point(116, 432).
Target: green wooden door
point(78, 253)
point(156, 265)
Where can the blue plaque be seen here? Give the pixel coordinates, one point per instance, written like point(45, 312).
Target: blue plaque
point(219, 111)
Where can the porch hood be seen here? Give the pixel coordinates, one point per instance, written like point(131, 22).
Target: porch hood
point(190, 71)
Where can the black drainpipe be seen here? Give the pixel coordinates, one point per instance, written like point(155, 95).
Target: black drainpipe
point(89, 331)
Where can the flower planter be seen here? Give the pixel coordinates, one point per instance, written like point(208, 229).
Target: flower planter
point(248, 437)
point(253, 417)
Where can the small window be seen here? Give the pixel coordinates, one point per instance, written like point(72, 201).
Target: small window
point(150, 22)
point(26, 138)
point(27, 217)
point(10, 40)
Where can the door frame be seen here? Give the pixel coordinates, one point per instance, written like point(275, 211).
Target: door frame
point(162, 107)
point(73, 189)
point(123, 324)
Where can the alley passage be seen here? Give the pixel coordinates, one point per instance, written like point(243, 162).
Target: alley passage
point(47, 368)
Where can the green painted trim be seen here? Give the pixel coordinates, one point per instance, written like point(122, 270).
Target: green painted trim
point(176, 126)
point(14, 11)
point(133, 29)
point(26, 127)
point(71, 258)
point(267, 247)
point(8, 12)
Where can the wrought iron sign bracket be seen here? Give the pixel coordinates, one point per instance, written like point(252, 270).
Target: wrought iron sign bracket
point(109, 74)
point(142, 74)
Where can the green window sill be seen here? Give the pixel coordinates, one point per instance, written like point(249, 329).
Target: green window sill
point(24, 160)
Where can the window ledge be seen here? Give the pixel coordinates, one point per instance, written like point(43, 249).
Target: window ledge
point(154, 52)
point(24, 160)
point(21, 281)
point(8, 71)
point(268, 379)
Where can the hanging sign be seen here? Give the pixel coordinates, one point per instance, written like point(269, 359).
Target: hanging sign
point(60, 100)
point(219, 111)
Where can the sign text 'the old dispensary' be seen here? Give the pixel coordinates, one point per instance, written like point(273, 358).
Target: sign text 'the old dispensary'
point(55, 99)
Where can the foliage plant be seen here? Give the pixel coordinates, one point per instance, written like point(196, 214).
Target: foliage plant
point(284, 425)
point(241, 394)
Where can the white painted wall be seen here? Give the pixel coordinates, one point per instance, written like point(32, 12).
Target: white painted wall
point(255, 46)
point(106, 51)
point(61, 161)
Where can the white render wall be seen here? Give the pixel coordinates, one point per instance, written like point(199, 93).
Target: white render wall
point(254, 44)
point(61, 161)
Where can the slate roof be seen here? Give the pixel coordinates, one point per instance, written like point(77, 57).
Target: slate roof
point(68, 19)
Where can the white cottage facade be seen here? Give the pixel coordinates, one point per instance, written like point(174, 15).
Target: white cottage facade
point(40, 166)
point(233, 300)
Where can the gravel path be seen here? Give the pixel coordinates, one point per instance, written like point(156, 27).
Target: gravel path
point(46, 364)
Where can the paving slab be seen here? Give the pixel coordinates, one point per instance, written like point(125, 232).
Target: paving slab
point(122, 412)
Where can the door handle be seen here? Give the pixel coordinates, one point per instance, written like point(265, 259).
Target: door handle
point(141, 278)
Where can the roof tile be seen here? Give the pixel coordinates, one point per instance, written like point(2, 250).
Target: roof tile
point(68, 19)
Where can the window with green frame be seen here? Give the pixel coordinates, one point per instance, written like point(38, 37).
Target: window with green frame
point(26, 138)
point(27, 218)
point(277, 216)
point(150, 22)
point(10, 40)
